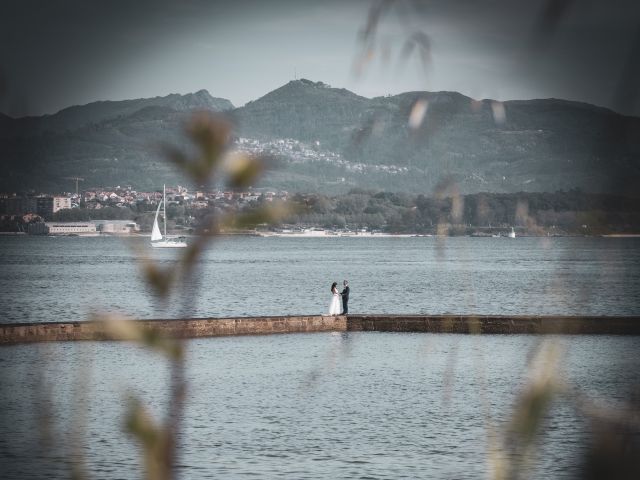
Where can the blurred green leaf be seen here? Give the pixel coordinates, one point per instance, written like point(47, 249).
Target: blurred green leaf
point(122, 328)
point(211, 135)
point(248, 220)
point(518, 446)
point(155, 440)
point(243, 170)
point(160, 279)
point(529, 414)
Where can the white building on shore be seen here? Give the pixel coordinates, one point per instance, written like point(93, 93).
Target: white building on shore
point(93, 228)
point(61, 203)
point(71, 228)
point(116, 227)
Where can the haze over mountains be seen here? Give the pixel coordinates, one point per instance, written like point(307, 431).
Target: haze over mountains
point(332, 140)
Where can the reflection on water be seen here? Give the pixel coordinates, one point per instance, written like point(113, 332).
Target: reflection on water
point(49, 279)
point(356, 405)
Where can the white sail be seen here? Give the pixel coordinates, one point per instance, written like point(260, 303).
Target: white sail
point(155, 233)
point(163, 241)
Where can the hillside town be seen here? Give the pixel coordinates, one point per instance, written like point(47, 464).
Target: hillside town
point(43, 213)
point(296, 152)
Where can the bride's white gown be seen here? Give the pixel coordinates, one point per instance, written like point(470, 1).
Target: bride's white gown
point(335, 307)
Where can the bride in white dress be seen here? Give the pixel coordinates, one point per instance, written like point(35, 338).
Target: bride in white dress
point(334, 306)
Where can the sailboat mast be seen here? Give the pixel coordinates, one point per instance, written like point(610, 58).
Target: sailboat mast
point(164, 208)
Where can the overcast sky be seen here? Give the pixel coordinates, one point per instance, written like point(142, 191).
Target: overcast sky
point(54, 54)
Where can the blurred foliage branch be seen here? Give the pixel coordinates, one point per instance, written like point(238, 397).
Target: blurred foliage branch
point(209, 160)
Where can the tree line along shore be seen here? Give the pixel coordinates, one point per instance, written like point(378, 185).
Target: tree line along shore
point(558, 213)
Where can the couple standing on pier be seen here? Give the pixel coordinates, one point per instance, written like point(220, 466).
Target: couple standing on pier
point(334, 306)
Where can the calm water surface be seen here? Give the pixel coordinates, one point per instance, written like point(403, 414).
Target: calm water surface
point(356, 405)
point(66, 278)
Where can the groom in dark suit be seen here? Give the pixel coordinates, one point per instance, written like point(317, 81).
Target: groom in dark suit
point(345, 298)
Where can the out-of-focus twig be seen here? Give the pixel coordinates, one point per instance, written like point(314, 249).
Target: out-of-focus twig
point(515, 450)
point(212, 161)
point(157, 441)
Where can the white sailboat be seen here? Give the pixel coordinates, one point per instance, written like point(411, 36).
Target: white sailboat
point(164, 241)
point(512, 233)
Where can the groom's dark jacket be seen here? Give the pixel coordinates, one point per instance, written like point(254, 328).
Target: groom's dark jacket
point(345, 294)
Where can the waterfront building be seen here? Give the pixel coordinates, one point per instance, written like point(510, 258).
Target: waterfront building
point(60, 203)
point(43, 205)
point(69, 228)
point(116, 227)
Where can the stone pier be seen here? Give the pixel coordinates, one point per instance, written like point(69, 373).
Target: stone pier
point(213, 327)
point(496, 324)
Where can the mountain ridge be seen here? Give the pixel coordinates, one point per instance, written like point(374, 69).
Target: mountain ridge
point(77, 116)
point(230, 106)
point(335, 140)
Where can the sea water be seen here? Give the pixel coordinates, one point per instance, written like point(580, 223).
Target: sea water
point(68, 278)
point(303, 406)
point(323, 405)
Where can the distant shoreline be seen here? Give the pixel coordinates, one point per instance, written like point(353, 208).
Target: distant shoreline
point(327, 235)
